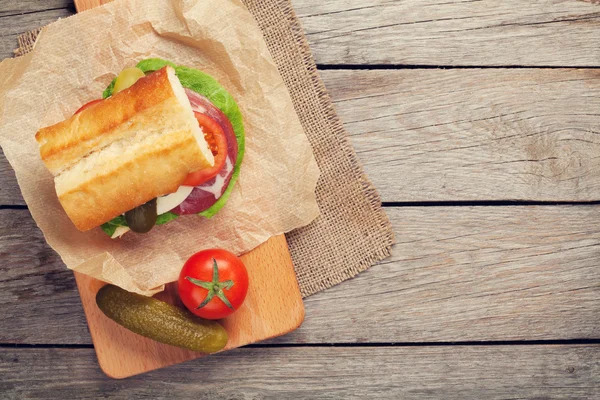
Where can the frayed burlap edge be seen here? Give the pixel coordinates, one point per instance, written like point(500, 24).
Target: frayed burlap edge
point(26, 42)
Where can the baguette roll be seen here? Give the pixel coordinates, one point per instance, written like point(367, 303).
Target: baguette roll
point(134, 146)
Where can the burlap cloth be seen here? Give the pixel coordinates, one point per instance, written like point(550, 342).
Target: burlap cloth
point(352, 232)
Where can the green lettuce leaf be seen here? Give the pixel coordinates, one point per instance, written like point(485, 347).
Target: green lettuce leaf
point(153, 64)
point(166, 217)
point(109, 90)
point(111, 226)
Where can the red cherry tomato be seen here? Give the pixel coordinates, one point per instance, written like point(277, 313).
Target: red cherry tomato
point(86, 105)
point(217, 141)
point(213, 283)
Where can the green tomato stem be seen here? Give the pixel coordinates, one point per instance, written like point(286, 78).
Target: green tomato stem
point(215, 288)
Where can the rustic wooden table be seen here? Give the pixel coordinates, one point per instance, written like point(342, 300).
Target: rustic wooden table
point(479, 122)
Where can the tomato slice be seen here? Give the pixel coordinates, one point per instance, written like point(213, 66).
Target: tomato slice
point(217, 142)
point(91, 103)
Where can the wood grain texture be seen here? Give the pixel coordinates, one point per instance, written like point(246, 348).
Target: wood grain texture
point(10, 194)
point(455, 32)
point(455, 372)
point(456, 274)
point(496, 273)
point(36, 277)
point(18, 8)
point(13, 25)
point(471, 274)
point(421, 32)
point(483, 134)
point(486, 134)
point(82, 5)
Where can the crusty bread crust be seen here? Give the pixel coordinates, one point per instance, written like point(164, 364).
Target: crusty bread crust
point(124, 151)
point(158, 171)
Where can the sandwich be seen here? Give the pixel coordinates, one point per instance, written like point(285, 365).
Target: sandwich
point(164, 141)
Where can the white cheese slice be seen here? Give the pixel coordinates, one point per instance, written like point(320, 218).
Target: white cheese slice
point(167, 203)
point(120, 231)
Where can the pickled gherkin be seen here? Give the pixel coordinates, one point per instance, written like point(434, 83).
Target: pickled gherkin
point(160, 321)
point(142, 218)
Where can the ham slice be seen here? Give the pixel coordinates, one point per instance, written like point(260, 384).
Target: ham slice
point(204, 196)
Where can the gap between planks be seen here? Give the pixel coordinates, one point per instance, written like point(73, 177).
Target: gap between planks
point(396, 204)
point(266, 344)
point(367, 67)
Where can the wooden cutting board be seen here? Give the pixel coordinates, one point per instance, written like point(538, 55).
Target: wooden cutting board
point(273, 307)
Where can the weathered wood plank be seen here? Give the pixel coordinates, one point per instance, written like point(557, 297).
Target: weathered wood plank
point(454, 372)
point(487, 134)
point(429, 32)
point(35, 275)
point(10, 194)
point(456, 32)
point(17, 8)
point(470, 274)
point(456, 274)
point(13, 25)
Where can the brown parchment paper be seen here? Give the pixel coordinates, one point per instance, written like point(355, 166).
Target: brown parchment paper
point(73, 61)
